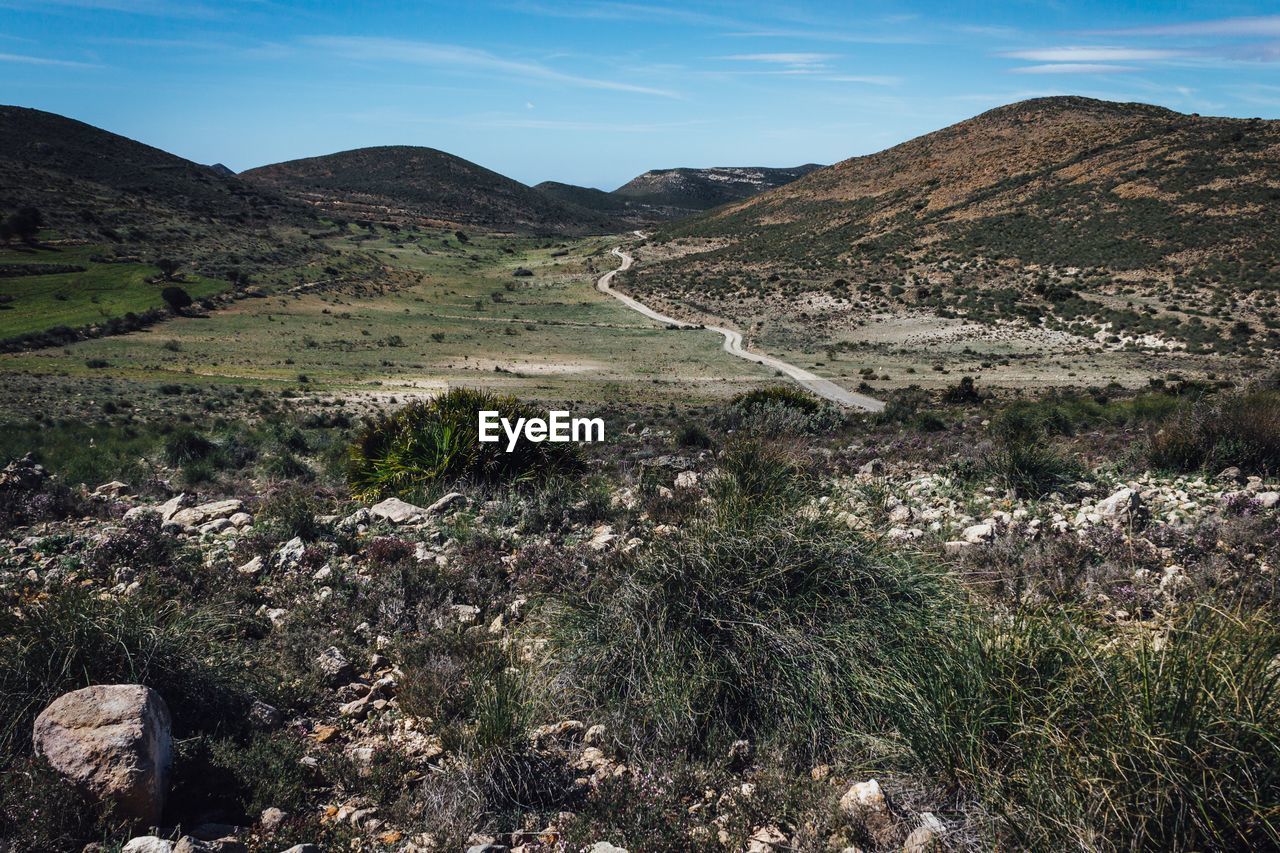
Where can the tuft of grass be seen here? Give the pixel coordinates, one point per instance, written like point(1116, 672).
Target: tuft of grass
point(767, 625)
point(1241, 430)
point(1077, 739)
point(1023, 460)
point(431, 444)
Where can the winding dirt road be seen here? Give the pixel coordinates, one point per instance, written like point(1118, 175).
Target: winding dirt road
point(824, 388)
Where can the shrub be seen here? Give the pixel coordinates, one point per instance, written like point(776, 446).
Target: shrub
point(430, 444)
point(1161, 742)
point(780, 411)
point(1241, 430)
point(765, 625)
point(292, 511)
point(1022, 460)
point(186, 445)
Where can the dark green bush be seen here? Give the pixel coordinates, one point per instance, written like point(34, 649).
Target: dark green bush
point(764, 625)
point(1241, 430)
point(1022, 458)
point(431, 444)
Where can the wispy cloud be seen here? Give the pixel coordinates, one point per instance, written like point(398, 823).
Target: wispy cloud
point(1258, 26)
point(40, 60)
point(1092, 54)
point(807, 60)
point(456, 57)
point(155, 8)
point(1073, 68)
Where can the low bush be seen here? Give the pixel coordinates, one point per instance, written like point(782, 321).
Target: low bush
point(1241, 430)
point(429, 445)
point(781, 411)
point(1023, 460)
point(1161, 741)
point(765, 625)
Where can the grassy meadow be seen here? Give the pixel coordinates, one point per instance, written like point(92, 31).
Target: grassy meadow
point(459, 313)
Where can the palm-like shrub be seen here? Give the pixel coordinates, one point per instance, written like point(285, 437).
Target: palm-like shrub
point(434, 443)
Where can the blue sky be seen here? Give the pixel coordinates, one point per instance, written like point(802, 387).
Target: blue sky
point(596, 92)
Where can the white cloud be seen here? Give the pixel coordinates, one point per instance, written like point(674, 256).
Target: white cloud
point(1073, 68)
point(1259, 26)
point(456, 57)
point(40, 60)
point(784, 58)
point(1092, 54)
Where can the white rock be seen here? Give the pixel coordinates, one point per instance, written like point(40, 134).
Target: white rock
point(863, 797)
point(978, 533)
point(252, 567)
point(445, 503)
point(1268, 500)
point(767, 839)
point(922, 838)
point(397, 511)
point(686, 480)
point(113, 742)
point(147, 844)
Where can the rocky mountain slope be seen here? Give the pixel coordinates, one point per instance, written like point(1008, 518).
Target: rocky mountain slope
point(89, 183)
point(673, 193)
point(409, 183)
point(1054, 210)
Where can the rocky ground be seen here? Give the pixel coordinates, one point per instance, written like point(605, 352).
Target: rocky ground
point(375, 640)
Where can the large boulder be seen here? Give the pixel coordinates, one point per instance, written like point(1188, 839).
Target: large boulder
point(113, 742)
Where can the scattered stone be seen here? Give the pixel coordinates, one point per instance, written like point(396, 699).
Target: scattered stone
point(290, 553)
point(976, 534)
point(114, 489)
point(147, 844)
point(863, 797)
point(956, 547)
point(204, 513)
point(605, 847)
point(1125, 507)
point(113, 742)
point(767, 839)
point(397, 511)
point(923, 837)
point(271, 818)
point(170, 507)
point(874, 468)
point(1267, 500)
point(304, 848)
point(445, 503)
point(333, 666)
point(252, 567)
point(595, 736)
point(264, 716)
point(686, 480)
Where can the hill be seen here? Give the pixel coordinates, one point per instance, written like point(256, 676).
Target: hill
point(87, 181)
point(402, 183)
point(109, 209)
point(679, 192)
point(1054, 209)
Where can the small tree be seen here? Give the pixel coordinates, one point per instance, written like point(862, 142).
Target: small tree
point(176, 298)
point(25, 225)
point(168, 266)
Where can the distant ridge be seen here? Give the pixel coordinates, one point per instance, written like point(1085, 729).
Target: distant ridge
point(409, 182)
point(679, 192)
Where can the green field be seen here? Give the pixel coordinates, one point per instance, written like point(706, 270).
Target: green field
point(462, 317)
point(102, 291)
